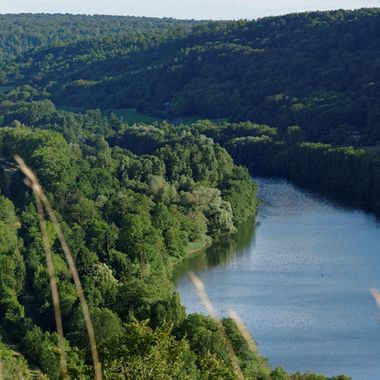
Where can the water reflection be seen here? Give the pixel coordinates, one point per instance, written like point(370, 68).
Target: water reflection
point(221, 252)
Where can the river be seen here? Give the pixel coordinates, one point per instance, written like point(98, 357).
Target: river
point(300, 280)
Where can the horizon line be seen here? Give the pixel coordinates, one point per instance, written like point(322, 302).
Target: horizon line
point(184, 19)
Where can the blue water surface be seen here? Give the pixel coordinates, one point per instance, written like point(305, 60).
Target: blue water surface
point(301, 282)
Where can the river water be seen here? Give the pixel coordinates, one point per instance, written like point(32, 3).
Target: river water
point(300, 280)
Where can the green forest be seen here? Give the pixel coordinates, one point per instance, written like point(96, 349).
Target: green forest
point(318, 70)
point(133, 200)
point(144, 134)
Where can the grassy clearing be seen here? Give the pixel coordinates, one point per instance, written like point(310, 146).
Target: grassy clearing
point(131, 116)
point(71, 109)
point(193, 119)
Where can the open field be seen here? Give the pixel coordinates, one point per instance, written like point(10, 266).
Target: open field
point(132, 116)
point(193, 119)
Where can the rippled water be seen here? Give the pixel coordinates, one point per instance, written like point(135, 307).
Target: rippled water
point(300, 280)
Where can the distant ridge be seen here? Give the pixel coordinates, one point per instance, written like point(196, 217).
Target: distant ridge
point(320, 70)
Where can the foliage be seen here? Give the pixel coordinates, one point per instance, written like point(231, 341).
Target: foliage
point(24, 32)
point(15, 366)
point(317, 70)
point(146, 354)
point(129, 218)
point(134, 199)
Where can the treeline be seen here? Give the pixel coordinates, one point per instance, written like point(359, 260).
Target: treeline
point(348, 171)
point(340, 170)
point(20, 33)
point(318, 70)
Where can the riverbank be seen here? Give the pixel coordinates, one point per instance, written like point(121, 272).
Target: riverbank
point(330, 169)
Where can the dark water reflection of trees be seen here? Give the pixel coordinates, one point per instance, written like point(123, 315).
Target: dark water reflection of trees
point(221, 252)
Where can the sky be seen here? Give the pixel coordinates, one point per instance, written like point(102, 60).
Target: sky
point(197, 9)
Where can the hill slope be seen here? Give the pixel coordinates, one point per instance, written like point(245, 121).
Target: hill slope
point(319, 70)
point(22, 32)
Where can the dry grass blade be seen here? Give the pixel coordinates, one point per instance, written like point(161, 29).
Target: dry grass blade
point(32, 181)
point(376, 295)
point(53, 286)
point(1, 370)
point(199, 287)
point(202, 294)
point(243, 330)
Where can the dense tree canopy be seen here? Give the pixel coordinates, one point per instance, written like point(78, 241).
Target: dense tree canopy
point(351, 172)
point(318, 70)
point(129, 218)
point(20, 33)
